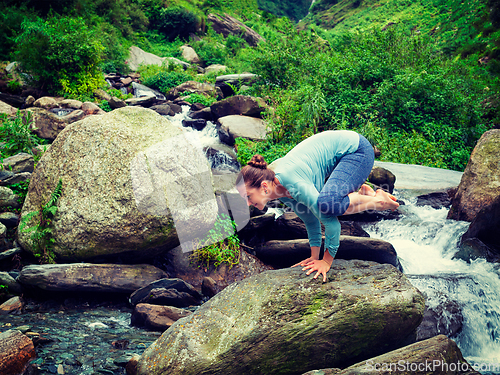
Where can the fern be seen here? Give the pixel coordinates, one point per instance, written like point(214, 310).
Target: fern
point(42, 231)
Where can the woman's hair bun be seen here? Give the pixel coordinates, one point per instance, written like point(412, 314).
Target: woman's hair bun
point(258, 161)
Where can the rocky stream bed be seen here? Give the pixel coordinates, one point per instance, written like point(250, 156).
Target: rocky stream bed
point(80, 337)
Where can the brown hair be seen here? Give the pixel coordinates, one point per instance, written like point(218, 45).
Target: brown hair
point(255, 172)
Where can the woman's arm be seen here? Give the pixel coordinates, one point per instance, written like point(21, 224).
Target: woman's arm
point(332, 240)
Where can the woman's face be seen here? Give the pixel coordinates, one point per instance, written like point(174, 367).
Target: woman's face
point(256, 197)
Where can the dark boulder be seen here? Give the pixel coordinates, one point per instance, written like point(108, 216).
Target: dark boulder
point(171, 292)
point(281, 254)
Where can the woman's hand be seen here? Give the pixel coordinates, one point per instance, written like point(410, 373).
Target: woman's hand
point(314, 264)
point(320, 266)
point(305, 262)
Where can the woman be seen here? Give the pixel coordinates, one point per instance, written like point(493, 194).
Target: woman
point(320, 178)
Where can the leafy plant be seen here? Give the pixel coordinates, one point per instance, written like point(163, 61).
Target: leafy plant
point(270, 151)
point(17, 135)
point(164, 80)
point(41, 235)
point(104, 105)
point(118, 93)
point(61, 54)
point(234, 88)
point(200, 98)
point(211, 51)
point(21, 190)
point(174, 22)
point(223, 245)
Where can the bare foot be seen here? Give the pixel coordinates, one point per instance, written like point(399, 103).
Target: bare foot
point(389, 199)
point(366, 190)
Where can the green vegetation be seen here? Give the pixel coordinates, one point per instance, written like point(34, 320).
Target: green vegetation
point(293, 9)
point(16, 135)
point(404, 74)
point(457, 27)
point(416, 105)
point(270, 151)
point(61, 55)
point(223, 245)
point(41, 235)
point(174, 22)
point(21, 190)
point(199, 98)
point(162, 78)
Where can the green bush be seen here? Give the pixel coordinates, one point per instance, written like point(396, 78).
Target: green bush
point(61, 55)
point(174, 22)
point(270, 151)
point(116, 49)
point(164, 80)
point(11, 19)
point(211, 49)
point(199, 98)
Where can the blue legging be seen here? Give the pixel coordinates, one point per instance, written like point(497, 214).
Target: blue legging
point(349, 174)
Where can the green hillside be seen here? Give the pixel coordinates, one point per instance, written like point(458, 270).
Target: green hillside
point(293, 9)
point(404, 74)
point(457, 26)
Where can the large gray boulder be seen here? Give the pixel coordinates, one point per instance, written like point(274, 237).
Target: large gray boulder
point(284, 322)
point(480, 183)
point(227, 25)
point(132, 184)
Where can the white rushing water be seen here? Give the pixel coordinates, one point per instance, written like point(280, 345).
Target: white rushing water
point(223, 157)
point(207, 136)
point(426, 243)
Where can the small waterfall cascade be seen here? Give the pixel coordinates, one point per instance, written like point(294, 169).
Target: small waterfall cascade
point(426, 243)
point(221, 157)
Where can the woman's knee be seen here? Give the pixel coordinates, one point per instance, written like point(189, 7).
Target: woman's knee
point(332, 204)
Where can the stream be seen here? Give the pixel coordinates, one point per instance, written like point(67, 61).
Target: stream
point(426, 243)
point(85, 339)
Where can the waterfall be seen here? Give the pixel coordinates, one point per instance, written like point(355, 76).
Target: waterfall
point(221, 157)
point(426, 242)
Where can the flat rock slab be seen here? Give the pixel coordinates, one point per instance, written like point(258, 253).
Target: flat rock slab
point(419, 177)
point(86, 277)
point(234, 126)
point(172, 292)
